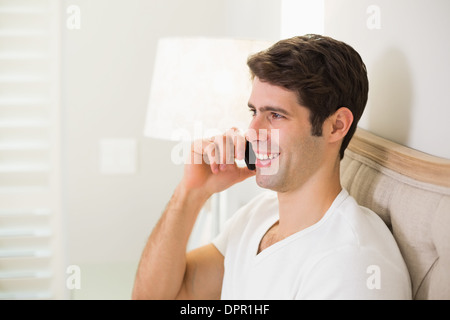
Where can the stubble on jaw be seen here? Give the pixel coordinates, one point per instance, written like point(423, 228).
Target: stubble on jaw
point(291, 173)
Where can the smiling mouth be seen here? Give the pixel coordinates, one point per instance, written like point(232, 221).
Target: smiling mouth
point(265, 156)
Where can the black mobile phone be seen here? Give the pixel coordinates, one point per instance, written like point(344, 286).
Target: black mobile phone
point(250, 158)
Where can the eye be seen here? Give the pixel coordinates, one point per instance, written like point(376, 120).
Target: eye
point(277, 115)
point(252, 112)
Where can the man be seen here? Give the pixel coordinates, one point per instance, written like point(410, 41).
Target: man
point(304, 239)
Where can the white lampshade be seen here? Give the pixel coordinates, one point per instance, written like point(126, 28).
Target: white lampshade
point(200, 86)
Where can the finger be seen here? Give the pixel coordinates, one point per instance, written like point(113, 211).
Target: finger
point(240, 147)
point(210, 157)
point(229, 149)
point(198, 148)
point(202, 151)
point(224, 150)
point(199, 145)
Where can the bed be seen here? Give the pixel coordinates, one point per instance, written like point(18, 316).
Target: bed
point(410, 191)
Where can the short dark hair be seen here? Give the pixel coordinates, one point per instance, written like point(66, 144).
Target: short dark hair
point(326, 74)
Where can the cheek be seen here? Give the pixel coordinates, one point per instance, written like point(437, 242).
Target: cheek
point(304, 152)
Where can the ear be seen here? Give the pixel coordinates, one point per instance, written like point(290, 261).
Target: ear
point(340, 123)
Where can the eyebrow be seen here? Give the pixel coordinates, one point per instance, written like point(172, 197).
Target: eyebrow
point(270, 109)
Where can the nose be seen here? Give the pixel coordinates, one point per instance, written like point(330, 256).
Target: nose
point(257, 130)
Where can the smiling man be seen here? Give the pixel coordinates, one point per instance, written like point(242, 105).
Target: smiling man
point(306, 237)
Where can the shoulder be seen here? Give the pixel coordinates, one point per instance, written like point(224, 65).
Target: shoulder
point(354, 224)
point(357, 257)
point(361, 232)
point(354, 272)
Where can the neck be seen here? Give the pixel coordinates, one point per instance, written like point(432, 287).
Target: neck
point(306, 205)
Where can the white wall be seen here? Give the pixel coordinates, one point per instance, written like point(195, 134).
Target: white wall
point(405, 47)
point(107, 69)
point(299, 17)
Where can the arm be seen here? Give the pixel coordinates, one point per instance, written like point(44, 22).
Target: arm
point(165, 270)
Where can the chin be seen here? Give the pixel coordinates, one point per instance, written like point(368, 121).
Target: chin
point(271, 182)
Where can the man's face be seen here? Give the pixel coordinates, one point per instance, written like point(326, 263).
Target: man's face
point(280, 133)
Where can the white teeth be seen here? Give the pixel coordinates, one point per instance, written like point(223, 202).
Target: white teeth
point(267, 156)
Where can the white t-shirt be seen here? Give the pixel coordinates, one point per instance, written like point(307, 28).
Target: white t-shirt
point(349, 254)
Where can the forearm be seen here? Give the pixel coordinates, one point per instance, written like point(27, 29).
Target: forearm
point(163, 263)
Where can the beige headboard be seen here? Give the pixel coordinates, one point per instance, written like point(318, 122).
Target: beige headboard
point(410, 190)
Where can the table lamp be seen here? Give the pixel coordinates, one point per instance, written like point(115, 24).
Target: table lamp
point(200, 87)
